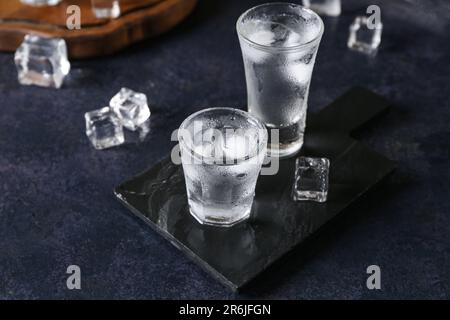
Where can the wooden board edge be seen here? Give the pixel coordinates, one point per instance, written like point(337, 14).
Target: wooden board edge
point(108, 38)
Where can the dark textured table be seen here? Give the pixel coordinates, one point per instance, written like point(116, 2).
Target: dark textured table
point(57, 207)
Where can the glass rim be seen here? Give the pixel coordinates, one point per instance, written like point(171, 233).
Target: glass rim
point(262, 144)
point(239, 23)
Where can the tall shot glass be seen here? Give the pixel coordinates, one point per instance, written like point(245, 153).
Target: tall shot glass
point(279, 43)
point(222, 151)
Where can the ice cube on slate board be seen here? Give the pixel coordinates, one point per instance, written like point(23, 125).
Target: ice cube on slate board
point(104, 128)
point(131, 108)
point(42, 61)
point(365, 36)
point(311, 179)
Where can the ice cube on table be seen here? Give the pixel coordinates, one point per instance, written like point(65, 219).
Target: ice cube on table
point(106, 8)
point(143, 130)
point(42, 61)
point(364, 36)
point(324, 7)
point(104, 128)
point(311, 179)
point(139, 135)
point(131, 107)
point(41, 3)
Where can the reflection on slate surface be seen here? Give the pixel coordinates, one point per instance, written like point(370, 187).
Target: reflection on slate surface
point(236, 255)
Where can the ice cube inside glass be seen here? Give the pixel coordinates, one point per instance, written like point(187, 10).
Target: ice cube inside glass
point(311, 179)
point(42, 61)
point(104, 128)
point(222, 150)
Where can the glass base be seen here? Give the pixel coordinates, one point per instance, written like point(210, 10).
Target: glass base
point(289, 140)
point(219, 221)
point(317, 196)
point(282, 150)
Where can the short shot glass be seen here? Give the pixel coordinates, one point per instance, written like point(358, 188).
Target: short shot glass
point(222, 151)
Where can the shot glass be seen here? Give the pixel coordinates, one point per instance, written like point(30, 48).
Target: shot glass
point(222, 150)
point(279, 43)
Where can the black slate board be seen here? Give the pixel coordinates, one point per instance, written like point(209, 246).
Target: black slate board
point(238, 254)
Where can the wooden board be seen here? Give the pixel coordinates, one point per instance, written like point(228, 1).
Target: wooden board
point(140, 19)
